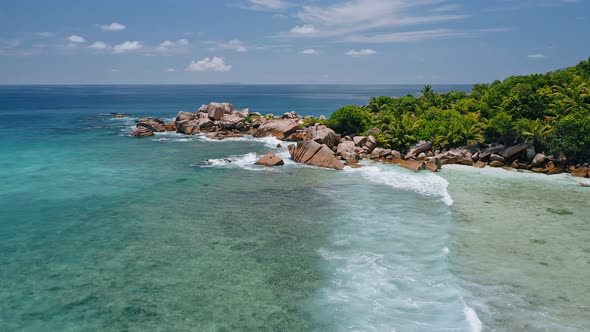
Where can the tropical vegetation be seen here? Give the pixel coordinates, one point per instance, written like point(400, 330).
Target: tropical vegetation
point(552, 109)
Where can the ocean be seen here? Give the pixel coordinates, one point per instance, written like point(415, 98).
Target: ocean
point(100, 231)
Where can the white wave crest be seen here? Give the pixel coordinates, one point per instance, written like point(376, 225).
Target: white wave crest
point(427, 184)
point(474, 322)
point(269, 142)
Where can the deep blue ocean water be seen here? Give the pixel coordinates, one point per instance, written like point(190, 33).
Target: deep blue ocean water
point(100, 231)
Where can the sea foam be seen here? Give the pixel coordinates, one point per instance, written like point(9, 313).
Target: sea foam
point(427, 184)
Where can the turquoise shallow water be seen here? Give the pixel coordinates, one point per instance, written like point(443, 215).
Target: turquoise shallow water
point(103, 232)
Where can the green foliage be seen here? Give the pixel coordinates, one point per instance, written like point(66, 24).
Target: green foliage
point(552, 109)
point(349, 120)
point(311, 122)
point(572, 136)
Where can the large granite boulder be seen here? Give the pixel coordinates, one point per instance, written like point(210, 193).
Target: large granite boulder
point(142, 131)
point(215, 111)
point(540, 160)
point(360, 140)
point(371, 143)
point(186, 123)
point(270, 159)
point(312, 153)
point(231, 121)
point(489, 151)
point(153, 124)
point(414, 165)
point(581, 172)
point(511, 151)
point(280, 129)
point(415, 150)
point(171, 126)
point(323, 135)
point(346, 146)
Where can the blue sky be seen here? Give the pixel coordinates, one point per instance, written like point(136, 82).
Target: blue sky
point(287, 41)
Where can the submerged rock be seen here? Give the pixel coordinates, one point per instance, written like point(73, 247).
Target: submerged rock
point(270, 159)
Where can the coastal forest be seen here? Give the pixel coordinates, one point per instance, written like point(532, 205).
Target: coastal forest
point(552, 109)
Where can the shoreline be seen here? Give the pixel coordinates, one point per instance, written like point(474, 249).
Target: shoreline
point(318, 145)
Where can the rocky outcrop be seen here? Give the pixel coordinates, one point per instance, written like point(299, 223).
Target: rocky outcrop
point(153, 124)
point(415, 150)
point(270, 159)
point(142, 131)
point(323, 135)
point(280, 129)
point(312, 153)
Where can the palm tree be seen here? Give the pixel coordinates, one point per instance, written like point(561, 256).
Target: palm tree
point(570, 100)
point(536, 130)
point(401, 131)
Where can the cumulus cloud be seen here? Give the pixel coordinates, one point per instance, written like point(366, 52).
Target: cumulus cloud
point(359, 53)
point(536, 56)
point(99, 45)
point(209, 64)
point(309, 52)
point(75, 39)
point(128, 46)
point(113, 27)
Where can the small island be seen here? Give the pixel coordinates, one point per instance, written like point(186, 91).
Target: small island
point(538, 123)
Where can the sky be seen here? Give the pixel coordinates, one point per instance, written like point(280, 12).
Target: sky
point(288, 41)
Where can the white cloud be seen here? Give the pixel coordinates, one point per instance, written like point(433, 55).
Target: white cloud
point(99, 45)
point(301, 30)
point(406, 37)
point(234, 45)
point(170, 70)
point(309, 52)
point(536, 56)
point(172, 46)
point(75, 39)
point(265, 4)
point(209, 64)
point(359, 53)
point(354, 16)
point(46, 34)
point(115, 70)
point(113, 27)
point(128, 46)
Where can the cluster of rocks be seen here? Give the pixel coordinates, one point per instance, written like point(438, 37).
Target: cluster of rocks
point(318, 145)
